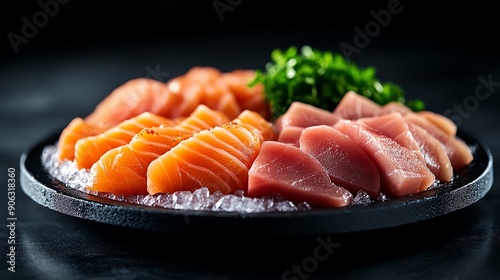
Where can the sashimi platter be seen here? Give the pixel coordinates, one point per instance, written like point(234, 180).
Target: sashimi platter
point(313, 144)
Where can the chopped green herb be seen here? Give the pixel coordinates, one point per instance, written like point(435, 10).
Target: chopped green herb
point(322, 78)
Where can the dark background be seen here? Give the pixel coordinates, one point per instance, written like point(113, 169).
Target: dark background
point(435, 52)
point(121, 40)
point(84, 24)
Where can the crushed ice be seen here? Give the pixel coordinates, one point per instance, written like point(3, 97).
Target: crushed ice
point(201, 199)
point(361, 198)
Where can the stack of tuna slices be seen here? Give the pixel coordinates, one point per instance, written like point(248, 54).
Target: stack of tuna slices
point(209, 129)
point(327, 157)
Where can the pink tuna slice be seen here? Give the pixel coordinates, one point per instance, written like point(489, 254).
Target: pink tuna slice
point(444, 123)
point(459, 153)
point(345, 162)
point(393, 125)
point(395, 107)
point(354, 106)
point(290, 135)
point(401, 171)
point(436, 158)
point(305, 115)
point(286, 170)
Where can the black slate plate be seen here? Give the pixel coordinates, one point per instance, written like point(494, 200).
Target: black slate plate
point(471, 185)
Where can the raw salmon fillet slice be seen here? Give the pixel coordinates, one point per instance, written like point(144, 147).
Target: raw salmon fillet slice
point(256, 122)
point(249, 98)
point(131, 99)
point(74, 131)
point(217, 158)
point(123, 170)
point(218, 97)
point(227, 92)
point(229, 148)
point(191, 97)
point(88, 150)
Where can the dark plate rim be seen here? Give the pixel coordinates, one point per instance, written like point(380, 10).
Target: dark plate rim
point(477, 180)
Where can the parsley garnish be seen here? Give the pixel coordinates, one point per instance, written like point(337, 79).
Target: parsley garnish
point(322, 78)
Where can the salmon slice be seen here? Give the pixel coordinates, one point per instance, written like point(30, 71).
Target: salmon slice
point(217, 158)
point(198, 75)
point(459, 153)
point(131, 99)
point(353, 106)
point(288, 171)
point(344, 161)
point(191, 97)
point(189, 89)
point(248, 98)
point(218, 97)
point(123, 170)
point(88, 150)
point(237, 82)
point(180, 96)
point(201, 75)
point(434, 153)
point(74, 131)
point(227, 92)
point(401, 171)
point(255, 121)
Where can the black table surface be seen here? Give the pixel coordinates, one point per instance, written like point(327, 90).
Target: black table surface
point(43, 89)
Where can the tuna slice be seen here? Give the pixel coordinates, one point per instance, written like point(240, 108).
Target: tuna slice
point(290, 135)
point(395, 107)
point(305, 115)
point(286, 170)
point(354, 106)
point(345, 162)
point(402, 172)
point(459, 153)
point(444, 123)
point(393, 125)
point(435, 155)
